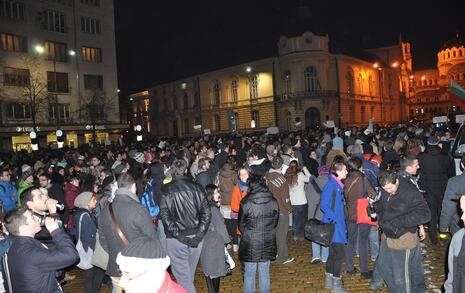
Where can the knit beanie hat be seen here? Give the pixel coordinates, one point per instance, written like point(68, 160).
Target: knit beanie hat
point(338, 143)
point(142, 254)
point(27, 171)
point(83, 199)
point(109, 179)
point(139, 157)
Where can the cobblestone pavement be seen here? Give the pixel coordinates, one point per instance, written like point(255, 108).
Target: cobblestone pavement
point(301, 276)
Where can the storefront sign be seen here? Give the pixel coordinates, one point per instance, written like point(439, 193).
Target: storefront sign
point(26, 129)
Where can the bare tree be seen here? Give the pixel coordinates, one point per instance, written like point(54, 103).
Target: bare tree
point(34, 92)
point(94, 108)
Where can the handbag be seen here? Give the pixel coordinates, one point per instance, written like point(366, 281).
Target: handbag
point(100, 257)
point(317, 231)
point(362, 209)
point(85, 257)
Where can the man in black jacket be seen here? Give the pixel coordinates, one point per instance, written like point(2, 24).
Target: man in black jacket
point(29, 265)
point(185, 214)
point(401, 210)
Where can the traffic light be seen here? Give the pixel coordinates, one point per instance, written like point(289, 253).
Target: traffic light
point(139, 132)
point(60, 141)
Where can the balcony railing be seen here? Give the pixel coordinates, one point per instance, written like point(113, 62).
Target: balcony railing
point(305, 94)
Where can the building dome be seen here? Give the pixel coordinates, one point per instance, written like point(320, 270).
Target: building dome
point(457, 42)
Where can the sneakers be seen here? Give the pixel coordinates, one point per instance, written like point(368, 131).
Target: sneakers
point(288, 260)
point(315, 261)
point(235, 247)
point(352, 272)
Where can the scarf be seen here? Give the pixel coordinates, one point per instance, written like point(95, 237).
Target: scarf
point(243, 187)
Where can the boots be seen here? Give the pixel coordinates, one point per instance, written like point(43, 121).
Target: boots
point(328, 281)
point(337, 286)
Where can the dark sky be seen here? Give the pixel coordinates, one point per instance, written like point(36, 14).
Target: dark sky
point(158, 41)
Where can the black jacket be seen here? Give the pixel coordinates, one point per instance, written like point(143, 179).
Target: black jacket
point(184, 210)
point(32, 267)
point(134, 221)
point(258, 219)
point(402, 212)
point(434, 171)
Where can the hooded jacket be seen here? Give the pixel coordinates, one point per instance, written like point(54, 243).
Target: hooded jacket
point(278, 186)
point(226, 181)
point(434, 171)
point(8, 195)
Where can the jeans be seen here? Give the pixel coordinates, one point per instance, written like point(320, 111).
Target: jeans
point(435, 206)
point(281, 236)
point(374, 242)
point(335, 259)
point(93, 279)
point(381, 271)
point(298, 219)
point(161, 234)
point(320, 252)
point(250, 270)
point(402, 269)
point(360, 231)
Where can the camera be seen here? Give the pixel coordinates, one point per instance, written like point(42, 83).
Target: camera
point(372, 212)
point(43, 217)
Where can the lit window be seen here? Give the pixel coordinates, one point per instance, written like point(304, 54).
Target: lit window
point(15, 43)
point(217, 93)
point(90, 54)
point(253, 86)
point(234, 94)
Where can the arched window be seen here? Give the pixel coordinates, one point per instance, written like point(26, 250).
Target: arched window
point(362, 113)
point(234, 90)
point(448, 54)
point(360, 83)
point(370, 85)
point(461, 53)
point(196, 100)
point(288, 120)
point(287, 82)
point(216, 122)
point(430, 82)
point(216, 93)
point(185, 101)
point(311, 81)
point(256, 118)
point(350, 81)
point(175, 103)
point(453, 54)
point(352, 113)
point(253, 86)
point(236, 118)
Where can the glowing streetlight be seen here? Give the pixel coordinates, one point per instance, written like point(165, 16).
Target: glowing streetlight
point(411, 76)
point(131, 99)
point(72, 53)
point(423, 77)
point(376, 65)
point(39, 49)
point(395, 64)
point(248, 69)
point(118, 90)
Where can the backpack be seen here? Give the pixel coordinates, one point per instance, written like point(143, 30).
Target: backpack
point(147, 200)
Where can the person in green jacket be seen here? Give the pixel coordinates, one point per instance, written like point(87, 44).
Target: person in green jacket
point(26, 181)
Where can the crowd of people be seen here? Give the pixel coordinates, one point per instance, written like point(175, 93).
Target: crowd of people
point(139, 218)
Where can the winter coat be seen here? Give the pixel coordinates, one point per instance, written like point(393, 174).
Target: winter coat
point(8, 196)
point(279, 187)
point(32, 267)
point(212, 255)
point(88, 228)
point(313, 196)
point(389, 156)
point(22, 185)
point(402, 212)
point(71, 192)
point(370, 170)
point(334, 215)
point(354, 189)
point(455, 280)
point(236, 198)
point(297, 191)
point(226, 181)
point(203, 178)
point(257, 222)
point(184, 210)
point(56, 192)
point(434, 171)
point(133, 220)
point(449, 213)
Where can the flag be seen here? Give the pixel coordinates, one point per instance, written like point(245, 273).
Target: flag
point(457, 93)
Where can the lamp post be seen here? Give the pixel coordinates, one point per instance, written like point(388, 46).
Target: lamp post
point(380, 87)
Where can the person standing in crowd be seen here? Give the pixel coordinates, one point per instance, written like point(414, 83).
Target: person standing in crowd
point(434, 174)
point(296, 179)
point(455, 282)
point(8, 192)
point(334, 213)
point(401, 209)
point(71, 192)
point(143, 264)
point(312, 162)
point(185, 214)
point(279, 187)
point(26, 181)
point(29, 266)
point(55, 191)
point(238, 193)
point(258, 221)
point(114, 219)
point(450, 220)
point(212, 257)
point(86, 227)
point(313, 194)
point(227, 179)
point(203, 176)
point(357, 187)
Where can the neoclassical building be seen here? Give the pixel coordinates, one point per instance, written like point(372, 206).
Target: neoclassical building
point(312, 80)
point(430, 87)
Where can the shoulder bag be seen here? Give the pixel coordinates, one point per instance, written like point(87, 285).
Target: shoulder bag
point(85, 257)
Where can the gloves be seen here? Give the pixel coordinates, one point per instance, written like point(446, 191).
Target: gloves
point(190, 241)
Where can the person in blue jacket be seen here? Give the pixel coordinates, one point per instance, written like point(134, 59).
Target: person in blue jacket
point(334, 213)
point(8, 192)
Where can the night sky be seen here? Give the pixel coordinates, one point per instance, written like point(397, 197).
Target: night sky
point(159, 41)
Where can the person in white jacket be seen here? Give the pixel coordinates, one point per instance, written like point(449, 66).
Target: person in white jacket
point(297, 179)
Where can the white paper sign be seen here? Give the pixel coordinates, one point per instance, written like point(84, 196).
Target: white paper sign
point(207, 131)
point(329, 124)
point(439, 119)
point(272, 130)
point(460, 118)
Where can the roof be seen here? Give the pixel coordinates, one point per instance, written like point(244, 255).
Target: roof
point(455, 42)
